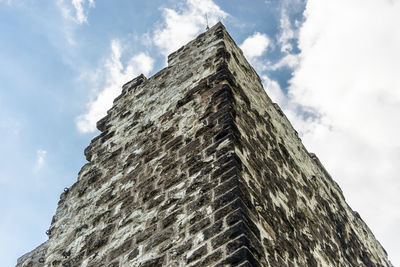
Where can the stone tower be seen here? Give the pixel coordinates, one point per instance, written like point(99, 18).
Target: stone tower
point(196, 166)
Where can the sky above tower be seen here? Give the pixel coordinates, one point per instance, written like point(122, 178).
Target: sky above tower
point(333, 66)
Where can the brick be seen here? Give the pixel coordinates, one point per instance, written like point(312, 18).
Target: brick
point(228, 235)
point(223, 133)
point(170, 169)
point(224, 150)
point(140, 237)
point(150, 193)
point(167, 134)
point(228, 118)
point(199, 226)
point(215, 256)
point(155, 201)
point(221, 170)
point(198, 182)
point(197, 167)
point(196, 216)
point(241, 215)
point(213, 118)
point(205, 187)
point(204, 130)
point(222, 53)
point(128, 201)
point(207, 169)
point(226, 186)
point(81, 229)
point(121, 249)
point(251, 234)
point(105, 197)
point(93, 175)
point(175, 144)
point(191, 161)
point(230, 174)
point(225, 199)
point(240, 256)
point(164, 247)
point(170, 219)
point(190, 149)
point(156, 262)
point(152, 155)
point(224, 93)
point(133, 254)
point(231, 159)
point(181, 249)
point(229, 139)
point(234, 245)
point(113, 264)
point(213, 230)
point(225, 210)
point(95, 245)
point(204, 199)
point(196, 254)
point(173, 180)
point(101, 124)
point(157, 239)
point(169, 202)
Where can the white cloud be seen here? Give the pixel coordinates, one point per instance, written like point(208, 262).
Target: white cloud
point(115, 74)
point(255, 45)
point(274, 91)
point(81, 15)
point(75, 13)
point(40, 159)
point(289, 61)
point(348, 80)
point(182, 25)
point(287, 33)
point(80, 7)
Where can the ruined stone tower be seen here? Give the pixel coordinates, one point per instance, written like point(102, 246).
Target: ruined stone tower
point(196, 166)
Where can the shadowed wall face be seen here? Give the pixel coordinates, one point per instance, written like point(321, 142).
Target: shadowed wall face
point(196, 166)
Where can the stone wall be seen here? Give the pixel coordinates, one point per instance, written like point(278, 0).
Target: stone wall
point(196, 166)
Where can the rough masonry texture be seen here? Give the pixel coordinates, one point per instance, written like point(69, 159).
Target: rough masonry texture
point(196, 166)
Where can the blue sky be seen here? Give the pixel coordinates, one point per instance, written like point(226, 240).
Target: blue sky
point(333, 66)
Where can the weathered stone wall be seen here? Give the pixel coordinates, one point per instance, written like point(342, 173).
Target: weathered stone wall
point(295, 212)
point(196, 166)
